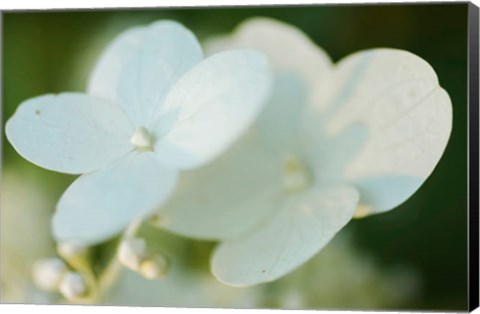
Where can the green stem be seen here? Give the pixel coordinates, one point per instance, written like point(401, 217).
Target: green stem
point(111, 273)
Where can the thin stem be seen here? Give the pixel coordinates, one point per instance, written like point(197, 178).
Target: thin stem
point(114, 267)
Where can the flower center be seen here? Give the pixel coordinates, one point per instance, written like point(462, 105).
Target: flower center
point(141, 138)
point(295, 175)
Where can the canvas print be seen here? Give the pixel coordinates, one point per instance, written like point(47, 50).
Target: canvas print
point(299, 157)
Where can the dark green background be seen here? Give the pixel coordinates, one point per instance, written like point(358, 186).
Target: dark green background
point(428, 232)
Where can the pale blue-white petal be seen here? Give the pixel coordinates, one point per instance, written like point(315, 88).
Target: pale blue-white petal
point(296, 72)
point(304, 224)
point(385, 192)
point(227, 197)
point(213, 104)
point(396, 96)
point(70, 132)
point(104, 77)
point(99, 205)
point(329, 155)
point(289, 49)
point(166, 52)
point(279, 123)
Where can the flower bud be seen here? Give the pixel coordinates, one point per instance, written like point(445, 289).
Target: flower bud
point(141, 138)
point(154, 267)
point(362, 211)
point(71, 249)
point(295, 176)
point(73, 286)
point(47, 273)
point(131, 252)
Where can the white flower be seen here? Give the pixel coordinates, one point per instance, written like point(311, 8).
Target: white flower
point(152, 108)
point(335, 141)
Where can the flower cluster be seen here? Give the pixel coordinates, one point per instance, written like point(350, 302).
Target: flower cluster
point(278, 148)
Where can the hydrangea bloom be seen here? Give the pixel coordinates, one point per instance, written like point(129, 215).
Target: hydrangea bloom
point(335, 142)
point(152, 108)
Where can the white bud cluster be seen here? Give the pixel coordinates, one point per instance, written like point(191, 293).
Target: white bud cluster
point(52, 275)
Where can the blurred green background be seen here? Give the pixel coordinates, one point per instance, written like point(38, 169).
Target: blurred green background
point(50, 52)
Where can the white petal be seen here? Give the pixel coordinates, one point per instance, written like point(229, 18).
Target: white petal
point(382, 193)
point(303, 225)
point(70, 132)
point(296, 72)
point(395, 95)
point(288, 47)
point(225, 198)
point(166, 52)
point(213, 105)
point(104, 77)
point(279, 123)
point(327, 155)
point(99, 205)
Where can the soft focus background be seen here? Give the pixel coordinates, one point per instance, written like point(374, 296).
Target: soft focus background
point(414, 257)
